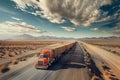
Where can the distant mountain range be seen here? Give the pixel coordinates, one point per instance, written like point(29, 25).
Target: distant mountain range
point(100, 38)
point(30, 37)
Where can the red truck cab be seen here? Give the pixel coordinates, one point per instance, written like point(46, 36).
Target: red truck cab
point(44, 59)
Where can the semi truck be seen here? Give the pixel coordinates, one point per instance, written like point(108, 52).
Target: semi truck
point(51, 53)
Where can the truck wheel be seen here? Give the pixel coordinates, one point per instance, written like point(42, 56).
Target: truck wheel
point(53, 59)
point(36, 68)
point(49, 64)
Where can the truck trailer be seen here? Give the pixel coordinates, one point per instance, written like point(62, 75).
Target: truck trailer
point(51, 53)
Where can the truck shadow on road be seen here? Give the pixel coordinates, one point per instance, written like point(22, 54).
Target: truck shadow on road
point(71, 65)
point(57, 66)
point(70, 59)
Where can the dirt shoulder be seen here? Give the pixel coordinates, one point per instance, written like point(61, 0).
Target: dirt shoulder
point(108, 63)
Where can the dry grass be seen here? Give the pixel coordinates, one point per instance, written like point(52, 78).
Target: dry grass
point(9, 50)
point(14, 61)
point(14, 48)
point(108, 74)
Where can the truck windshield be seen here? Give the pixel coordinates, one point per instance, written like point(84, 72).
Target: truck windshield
point(43, 55)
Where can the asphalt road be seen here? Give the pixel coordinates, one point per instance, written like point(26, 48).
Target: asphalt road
point(70, 66)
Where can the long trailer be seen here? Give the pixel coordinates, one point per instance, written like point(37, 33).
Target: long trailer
point(51, 53)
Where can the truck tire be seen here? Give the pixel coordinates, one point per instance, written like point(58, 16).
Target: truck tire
point(49, 64)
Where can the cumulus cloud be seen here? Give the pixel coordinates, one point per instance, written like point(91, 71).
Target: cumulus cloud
point(15, 27)
point(15, 18)
point(79, 12)
point(94, 29)
point(70, 29)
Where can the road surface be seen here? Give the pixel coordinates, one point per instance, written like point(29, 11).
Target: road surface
point(70, 66)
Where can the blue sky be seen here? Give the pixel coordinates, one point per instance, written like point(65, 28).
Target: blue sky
point(61, 18)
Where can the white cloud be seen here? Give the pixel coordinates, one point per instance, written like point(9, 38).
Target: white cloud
point(21, 3)
point(70, 29)
point(79, 12)
point(94, 29)
point(15, 18)
point(15, 27)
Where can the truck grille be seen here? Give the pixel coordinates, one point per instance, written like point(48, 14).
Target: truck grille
point(40, 62)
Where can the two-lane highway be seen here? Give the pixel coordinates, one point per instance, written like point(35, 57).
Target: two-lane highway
point(70, 66)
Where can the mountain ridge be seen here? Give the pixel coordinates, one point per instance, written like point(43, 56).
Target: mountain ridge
point(30, 37)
